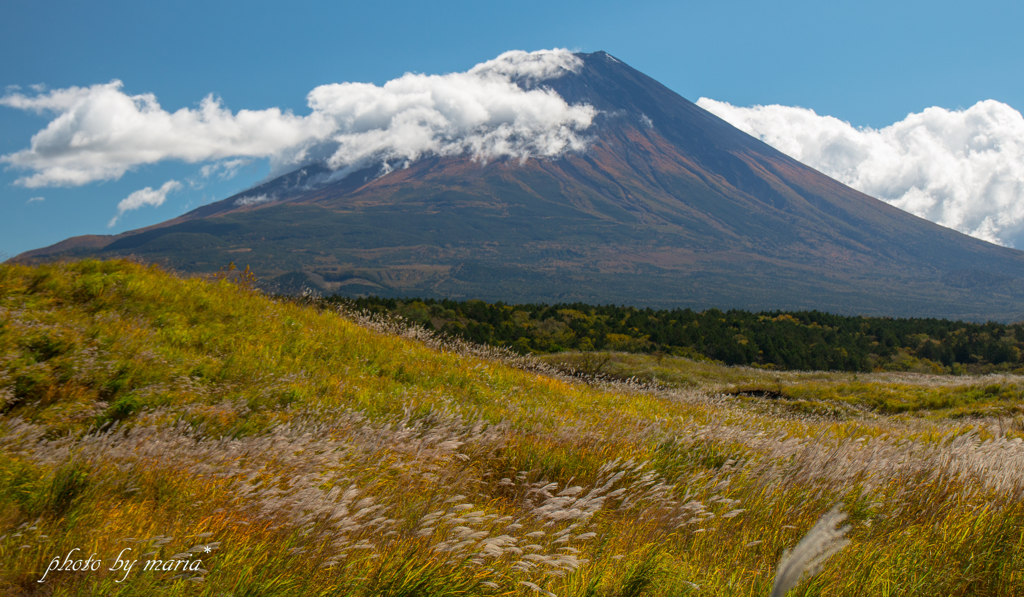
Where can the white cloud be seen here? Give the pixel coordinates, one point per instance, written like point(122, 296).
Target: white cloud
point(530, 66)
point(485, 112)
point(496, 109)
point(100, 132)
point(35, 200)
point(254, 199)
point(963, 169)
point(146, 196)
point(225, 170)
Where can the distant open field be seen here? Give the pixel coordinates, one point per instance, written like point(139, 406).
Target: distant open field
point(834, 394)
point(290, 449)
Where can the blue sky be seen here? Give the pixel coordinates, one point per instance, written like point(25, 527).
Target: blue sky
point(868, 63)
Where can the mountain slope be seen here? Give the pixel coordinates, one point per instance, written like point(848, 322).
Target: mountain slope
point(669, 206)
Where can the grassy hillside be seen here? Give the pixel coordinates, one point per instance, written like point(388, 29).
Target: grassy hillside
point(291, 451)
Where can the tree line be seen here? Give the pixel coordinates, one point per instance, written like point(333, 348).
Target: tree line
point(804, 340)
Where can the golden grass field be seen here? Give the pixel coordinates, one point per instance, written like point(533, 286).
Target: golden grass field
point(290, 449)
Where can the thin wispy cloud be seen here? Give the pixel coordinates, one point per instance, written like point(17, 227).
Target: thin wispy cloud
point(142, 197)
point(963, 169)
point(496, 109)
point(253, 200)
point(35, 200)
point(224, 170)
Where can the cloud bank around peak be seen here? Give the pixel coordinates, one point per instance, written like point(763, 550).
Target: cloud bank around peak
point(493, 110)
point(963, 169)
point(497, 109)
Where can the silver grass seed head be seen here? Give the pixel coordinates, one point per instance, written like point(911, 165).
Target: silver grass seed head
point(823, 541)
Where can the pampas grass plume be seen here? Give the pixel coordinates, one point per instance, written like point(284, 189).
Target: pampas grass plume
point(821, 542)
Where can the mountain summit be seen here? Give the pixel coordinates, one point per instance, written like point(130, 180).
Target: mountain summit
point(646, 199)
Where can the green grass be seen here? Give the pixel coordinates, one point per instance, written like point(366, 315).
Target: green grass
point(315, 454)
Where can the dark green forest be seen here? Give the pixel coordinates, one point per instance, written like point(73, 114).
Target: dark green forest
point(806, 340)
